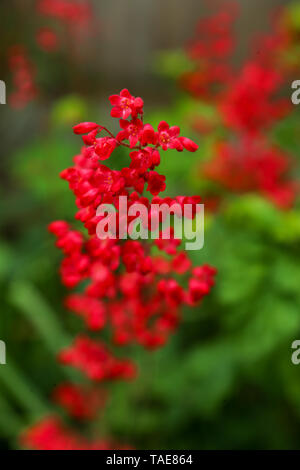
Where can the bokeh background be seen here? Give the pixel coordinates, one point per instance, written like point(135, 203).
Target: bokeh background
point(225, 379)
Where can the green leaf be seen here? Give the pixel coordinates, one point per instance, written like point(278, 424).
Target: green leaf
point(22, 389)
point(35, 308)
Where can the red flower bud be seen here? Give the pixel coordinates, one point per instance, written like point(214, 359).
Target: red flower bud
point(85, 127)
point(189, 144)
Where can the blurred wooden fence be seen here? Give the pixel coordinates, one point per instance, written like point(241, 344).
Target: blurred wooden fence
point(132, 30)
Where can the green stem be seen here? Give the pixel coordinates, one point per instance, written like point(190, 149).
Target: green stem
point(30, 302)
point(35, 308)
point(10, 424)
point(22, 390)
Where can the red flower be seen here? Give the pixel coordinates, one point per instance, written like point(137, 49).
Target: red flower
point(131, 131)
point(74, 14)
point(142, 160)
point(148, 135)
point(168, 244)
point(74, 269)
point(104, 147)
point(108, 181)
point(168, 136)
point(71, 242)
point(92, 310)
point(50, 434)
point(80, 402)
point(94, 360)
point(125, 105)
point(47, 39)
point(209, 52)
point(172, 291)
point(156, 183)
point(251, 165)
point(23, 71)
point(59, 228)
point(249, 104)
point(181, 263)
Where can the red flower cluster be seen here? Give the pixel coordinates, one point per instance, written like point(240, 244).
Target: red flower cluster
point(23, 76)
point(73, 13)
point(251, 166)
point(126, 268)
point(280, 47)
point(123, 286)
point(76, 17)
point(248, 105)
point(80, 402)
point(209, 52)
point(94, 360)
point(50, 434)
